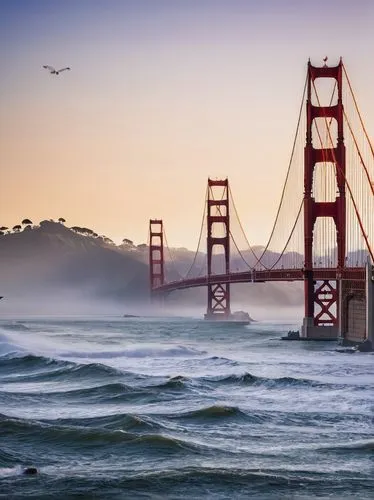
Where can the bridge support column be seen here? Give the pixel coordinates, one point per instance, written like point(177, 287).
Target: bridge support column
point(321, 298)
point(310, 331)
point(218, 218)
point(156, 256)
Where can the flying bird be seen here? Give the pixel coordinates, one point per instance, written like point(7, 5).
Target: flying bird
point(54, 71)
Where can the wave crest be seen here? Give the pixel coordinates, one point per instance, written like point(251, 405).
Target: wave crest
point(215, 411)
point(98, 431)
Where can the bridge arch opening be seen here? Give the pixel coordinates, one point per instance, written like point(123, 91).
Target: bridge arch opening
point(324, 92)
point(324, 133)
point(219, 229)
point(325, 187)
point(218, 259)
point(325, 252)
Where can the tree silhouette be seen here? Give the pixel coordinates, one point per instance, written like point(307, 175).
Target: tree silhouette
point(85, 231)
point(127, 242)
point(61, 220)
point(17, 228)
point(26, 221)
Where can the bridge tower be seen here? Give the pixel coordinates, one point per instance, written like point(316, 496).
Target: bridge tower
point(321, 298)
point(218, 217)
point(156, 253)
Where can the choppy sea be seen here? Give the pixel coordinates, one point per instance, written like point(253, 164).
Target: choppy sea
point(177, 408)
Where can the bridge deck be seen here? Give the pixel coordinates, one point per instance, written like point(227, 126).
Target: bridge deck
point(319, 274)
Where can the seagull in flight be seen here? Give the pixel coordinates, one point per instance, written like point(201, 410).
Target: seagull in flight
point(54, 71)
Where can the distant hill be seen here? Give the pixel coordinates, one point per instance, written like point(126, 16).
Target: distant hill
point(51, 263)
point(52, 260)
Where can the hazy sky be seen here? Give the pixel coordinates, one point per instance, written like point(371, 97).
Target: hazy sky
point(161, 95)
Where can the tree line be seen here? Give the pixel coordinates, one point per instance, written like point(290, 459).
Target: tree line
point(27, 225)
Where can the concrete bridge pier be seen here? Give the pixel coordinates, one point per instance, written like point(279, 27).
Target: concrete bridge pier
point(356, 322)
point(312, 332)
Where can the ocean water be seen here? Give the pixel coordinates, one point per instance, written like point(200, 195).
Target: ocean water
point(178, 408)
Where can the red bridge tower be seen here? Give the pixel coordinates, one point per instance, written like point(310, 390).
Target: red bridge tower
point(156, 253)
point(323, 294)
point(218, 217)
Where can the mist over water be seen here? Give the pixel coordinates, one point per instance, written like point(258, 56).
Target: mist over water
point(174, 407)
point(82, 302)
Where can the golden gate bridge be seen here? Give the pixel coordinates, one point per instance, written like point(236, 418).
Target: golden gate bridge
point(323, 232)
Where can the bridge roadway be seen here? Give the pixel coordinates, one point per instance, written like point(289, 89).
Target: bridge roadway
point(319, 274)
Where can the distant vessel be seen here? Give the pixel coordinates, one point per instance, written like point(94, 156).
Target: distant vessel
point(237, 318)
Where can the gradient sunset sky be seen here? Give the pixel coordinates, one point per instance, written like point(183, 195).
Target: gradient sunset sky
point(161, 95)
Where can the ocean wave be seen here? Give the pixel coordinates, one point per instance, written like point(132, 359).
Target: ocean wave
point(29, 367)
point(118, 421)
point(362, 445)
point(249, 379)
point(220, 360)
point(19, 361)
point(288, 382)
point(165, 442)
point(243, 379)
point(69, 432)
point(113, 389)
point(6, 458)
point(16, 326)
point(213, 412)
point(106, 393)
point(244, 480)
point(96, 432)
point(291, 381)
point(177, 382)
point(8, 347)
point(199, 481)
point(138, 352)
point(40, 368)
point(259, 416)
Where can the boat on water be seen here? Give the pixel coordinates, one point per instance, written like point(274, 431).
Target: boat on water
point(239, 318)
